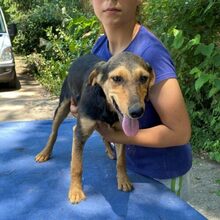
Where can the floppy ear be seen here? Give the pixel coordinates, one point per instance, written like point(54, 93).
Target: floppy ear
point(96, 75)
point(92, 80)
point(152, 79)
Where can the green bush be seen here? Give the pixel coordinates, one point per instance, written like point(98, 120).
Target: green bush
point(190, 30)
point(73, 40)
point(49, 73)
point(35, 16)
point(191, 16)
point(60, 49)
point(199, 73)
point(32, 26)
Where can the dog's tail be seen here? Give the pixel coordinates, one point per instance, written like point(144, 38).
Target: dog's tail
point(64, 95)
point(65, 91)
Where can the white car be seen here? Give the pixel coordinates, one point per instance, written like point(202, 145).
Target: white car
point(7, 63)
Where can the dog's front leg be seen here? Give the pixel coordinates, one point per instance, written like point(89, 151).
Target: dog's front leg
point(76, 193)
point(81, 132)
point(124, 183)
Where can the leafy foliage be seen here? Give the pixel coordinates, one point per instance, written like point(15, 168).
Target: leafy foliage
point(191, 16)
point(57, 52)
point(33, 24)
point(190, 29)
point(25, 6)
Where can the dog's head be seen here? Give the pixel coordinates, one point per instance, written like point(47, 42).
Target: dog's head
point(125, 80)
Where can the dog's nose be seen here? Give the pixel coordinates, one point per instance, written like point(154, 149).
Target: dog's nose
point(136, 111)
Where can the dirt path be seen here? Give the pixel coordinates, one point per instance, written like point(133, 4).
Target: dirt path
point(33, 102)
point(30, 102)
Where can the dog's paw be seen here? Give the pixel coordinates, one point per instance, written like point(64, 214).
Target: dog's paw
point(76, 195)
point(42, 157)
point(110, 150)
point(124, 184)
point(111, 155)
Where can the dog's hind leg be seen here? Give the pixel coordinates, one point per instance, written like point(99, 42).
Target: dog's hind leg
point(82, 131)
point(124, 183)
point(60, 114)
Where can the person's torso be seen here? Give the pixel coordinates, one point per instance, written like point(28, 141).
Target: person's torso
point(159, 163)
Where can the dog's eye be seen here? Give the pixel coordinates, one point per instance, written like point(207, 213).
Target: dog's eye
point(143, 79)
point(117, 79)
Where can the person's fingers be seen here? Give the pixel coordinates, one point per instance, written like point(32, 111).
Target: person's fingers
point(73, 108)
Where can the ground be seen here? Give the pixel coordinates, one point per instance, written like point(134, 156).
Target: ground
point(33, 102)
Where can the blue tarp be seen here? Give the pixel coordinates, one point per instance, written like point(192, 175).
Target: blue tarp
point(29, 190)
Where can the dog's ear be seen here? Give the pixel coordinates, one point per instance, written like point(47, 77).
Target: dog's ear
point(151, 76)
point(96, 75)
point(151, 80)
point(92, 78)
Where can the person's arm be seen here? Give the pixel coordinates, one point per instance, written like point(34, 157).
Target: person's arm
point(175, 129)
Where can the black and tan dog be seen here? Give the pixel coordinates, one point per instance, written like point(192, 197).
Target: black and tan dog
point(111, 92)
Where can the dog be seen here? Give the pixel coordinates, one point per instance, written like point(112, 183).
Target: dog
point(113, 92)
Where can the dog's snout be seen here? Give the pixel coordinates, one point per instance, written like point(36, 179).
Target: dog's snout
point(136, 111)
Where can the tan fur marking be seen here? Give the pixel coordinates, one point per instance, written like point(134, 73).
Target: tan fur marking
point(86, 125)
point(130, 91)
point(76, 193)
point(94, 78)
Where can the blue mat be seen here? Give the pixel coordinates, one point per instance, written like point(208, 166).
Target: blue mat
point(29, 190)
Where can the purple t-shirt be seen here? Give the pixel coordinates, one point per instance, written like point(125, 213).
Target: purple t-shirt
point(161, 163)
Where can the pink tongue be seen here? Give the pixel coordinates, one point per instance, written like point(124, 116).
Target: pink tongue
point(130, 126)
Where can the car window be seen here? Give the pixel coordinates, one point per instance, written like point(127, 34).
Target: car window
point(2, 26)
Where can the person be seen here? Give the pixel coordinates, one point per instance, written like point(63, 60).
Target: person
point(160, 149)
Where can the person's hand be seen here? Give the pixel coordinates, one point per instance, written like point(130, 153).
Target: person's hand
point(73, 108)
point(104, 129)
point(108, 133)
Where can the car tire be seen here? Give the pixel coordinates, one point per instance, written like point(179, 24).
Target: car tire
point(14, 84)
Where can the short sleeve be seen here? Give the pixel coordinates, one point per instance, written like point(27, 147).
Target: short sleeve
point(101, 48)
point(160, 60)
